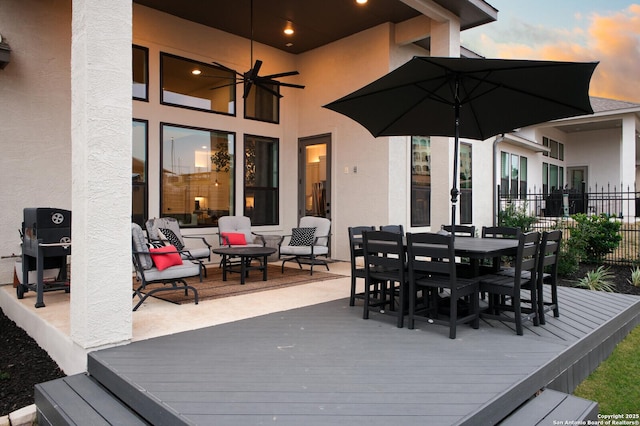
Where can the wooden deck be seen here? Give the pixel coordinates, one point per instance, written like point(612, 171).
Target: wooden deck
point(325, 365)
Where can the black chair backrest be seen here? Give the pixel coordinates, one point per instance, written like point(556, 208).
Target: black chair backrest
point(549, 251)
point(431, 253)
point(384, 251)
point(500, 232)
point(462, 230)
point(356, 240)
point(527, 257)
point(398, 229)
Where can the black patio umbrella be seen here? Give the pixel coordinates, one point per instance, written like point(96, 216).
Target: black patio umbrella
point(469, 98)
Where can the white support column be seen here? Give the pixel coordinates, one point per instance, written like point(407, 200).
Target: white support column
point(628, 162)
point(101, 115)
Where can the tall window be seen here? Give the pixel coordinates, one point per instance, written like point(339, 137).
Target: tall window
point(552, 178)
point(513, 175)
point(261, 178)
point(466, 206)
point(140, 73)
point(139, 212)
point(420, 181)
point(197, 85)
point(197, 174)
point(263, 103)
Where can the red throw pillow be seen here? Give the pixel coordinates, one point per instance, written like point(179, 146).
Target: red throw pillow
point(164, 257)
point(234, 239)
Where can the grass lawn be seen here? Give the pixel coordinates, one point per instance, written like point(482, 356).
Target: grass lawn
point(615, 384)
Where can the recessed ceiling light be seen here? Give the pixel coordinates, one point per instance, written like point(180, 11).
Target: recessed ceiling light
point(289, 44)
point(288, 30)
point(361, 1)
point(196, 72)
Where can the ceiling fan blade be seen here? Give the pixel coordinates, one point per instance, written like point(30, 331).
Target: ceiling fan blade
point(224, 85)
point(268, 89)
point(253, 72)
point(282, 74)
point(218, 64)
point(295, 86)
point(265, 81)
point(247, 88)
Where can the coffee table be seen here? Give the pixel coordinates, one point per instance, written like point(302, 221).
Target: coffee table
point(246, 255)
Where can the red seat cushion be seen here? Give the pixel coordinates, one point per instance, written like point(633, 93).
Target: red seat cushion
point(164, 257)
point(235, 239)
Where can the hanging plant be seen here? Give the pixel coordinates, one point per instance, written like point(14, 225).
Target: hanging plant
point(221, 158)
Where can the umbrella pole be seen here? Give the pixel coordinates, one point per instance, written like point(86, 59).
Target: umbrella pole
point(454, 189)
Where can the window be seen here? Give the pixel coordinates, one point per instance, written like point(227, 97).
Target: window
point(140, 73)
point(552, 178)
point(197, 85)
point(465, 184)
point(557, 148)
point(197, 174)
point(139, 211)
point(420, 181)
point(261, 179)
point(263, 103)
point(513, 175)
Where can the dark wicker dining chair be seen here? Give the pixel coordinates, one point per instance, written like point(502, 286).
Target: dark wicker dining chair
point(385, 273)
point(430, 276)
point(357, 256)
point(505, 291)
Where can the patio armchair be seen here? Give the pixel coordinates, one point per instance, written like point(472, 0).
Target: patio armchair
point(236, 231)
point(307, 243)
point(167, 230)
point(162, 265)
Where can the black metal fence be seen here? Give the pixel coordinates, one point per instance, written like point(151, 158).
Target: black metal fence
point(553, 210)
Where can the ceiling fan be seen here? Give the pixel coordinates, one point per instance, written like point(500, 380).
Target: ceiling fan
point(251, 77)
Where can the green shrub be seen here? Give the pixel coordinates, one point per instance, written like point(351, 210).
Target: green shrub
point(516, 217)
point(569, 258)
point(598, 280)
point(595, 236)
point(635, 277)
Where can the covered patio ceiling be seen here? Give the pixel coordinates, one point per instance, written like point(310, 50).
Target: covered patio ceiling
point(316, 22)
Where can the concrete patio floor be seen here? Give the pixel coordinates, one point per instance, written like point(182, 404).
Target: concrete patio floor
point(50, 325)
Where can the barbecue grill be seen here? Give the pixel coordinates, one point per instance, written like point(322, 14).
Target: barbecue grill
point(46, 243)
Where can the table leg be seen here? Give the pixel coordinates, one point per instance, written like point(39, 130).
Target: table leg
point(224, 267)
point(243, 269)
point(264, 268)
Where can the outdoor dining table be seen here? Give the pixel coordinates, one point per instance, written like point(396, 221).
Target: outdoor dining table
point(477, 249)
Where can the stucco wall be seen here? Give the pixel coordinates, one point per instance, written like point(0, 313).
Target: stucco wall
point(35, 89)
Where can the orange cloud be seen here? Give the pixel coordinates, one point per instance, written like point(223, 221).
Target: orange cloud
point(613, 40)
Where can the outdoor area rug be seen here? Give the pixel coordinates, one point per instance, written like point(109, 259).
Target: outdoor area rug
point(212, 286)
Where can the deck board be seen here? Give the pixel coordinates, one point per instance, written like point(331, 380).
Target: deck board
point(324, 364)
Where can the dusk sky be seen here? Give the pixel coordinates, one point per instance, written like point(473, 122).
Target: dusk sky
point(607, 31)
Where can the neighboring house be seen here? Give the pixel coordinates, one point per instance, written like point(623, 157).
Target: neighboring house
point(201, 150)
point(575, 155)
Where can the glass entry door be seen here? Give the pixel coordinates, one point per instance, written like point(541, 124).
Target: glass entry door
point(314, 169)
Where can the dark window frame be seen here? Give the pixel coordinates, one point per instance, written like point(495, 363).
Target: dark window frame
point(275, 191)
point(233, 165)
point(145, 50)
point(198, 64)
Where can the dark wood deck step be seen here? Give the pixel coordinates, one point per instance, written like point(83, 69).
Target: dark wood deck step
point(80, 400)
point(551, 405)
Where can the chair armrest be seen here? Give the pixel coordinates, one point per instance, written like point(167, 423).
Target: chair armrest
point(260, 237)
point(198, 237)
point(282, 237)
